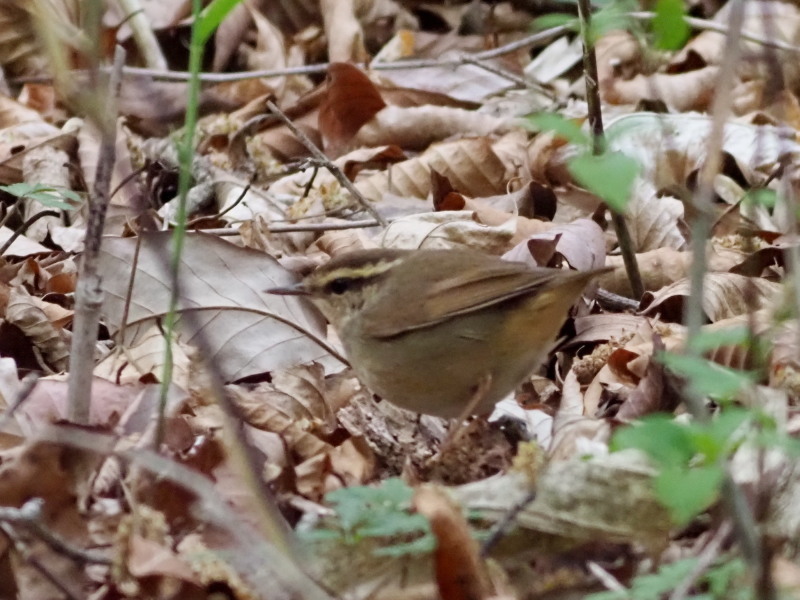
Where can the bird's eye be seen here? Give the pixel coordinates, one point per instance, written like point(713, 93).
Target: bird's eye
point(339, 286)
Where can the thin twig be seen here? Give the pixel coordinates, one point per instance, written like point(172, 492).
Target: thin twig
point(24, 227)
point(128, 178)
point(323, 226)
point(537, 39)
point(598, 145)
point(25, 388)
point(500, 72)
point(327, 163)
point(607, 579)
point(123, 323)
point(704, 560)
point(502, 527)
point(532, 41)
point(29, 557)
point(230, 232)
point(29, 516)
point(222, 213)
point(614, 302)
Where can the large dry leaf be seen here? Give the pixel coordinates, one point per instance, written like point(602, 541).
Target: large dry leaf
point(776, 21)
point(725, 295)
point(670, 147)
point(147, 356)
point(654, 219)
point(447, 229)
point(581, 243)
point(472, 166)
point(417, 127)
point(555, 60)
point(247, 330)
point(27, 313)
point(464, 82)
point(680, 92)
point(350, 101)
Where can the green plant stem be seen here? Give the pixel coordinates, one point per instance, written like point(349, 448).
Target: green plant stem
point(270, 522)
point(185, 156)
point(598, 144)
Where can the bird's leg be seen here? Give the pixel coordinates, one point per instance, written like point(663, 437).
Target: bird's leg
point(481, 389)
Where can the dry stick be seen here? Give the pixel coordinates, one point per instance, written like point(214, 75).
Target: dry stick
point(732, 495)
point(89, 292)
point(268, 518)
point(598, 146)
point(258, 563)
point(326, 162)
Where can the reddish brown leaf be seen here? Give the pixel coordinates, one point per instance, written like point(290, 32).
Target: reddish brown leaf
point(352, 100)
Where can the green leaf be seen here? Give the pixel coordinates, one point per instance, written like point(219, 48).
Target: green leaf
point(728, 423)
point(565, 128)
point(725, 580)
point(611, 17)
point(660, 437)
point(395, 523)
point(707, 378)
point(610, 176)
point(762, 196)
point(421, 545)
point(687, 492)
point(377, 512)
point(615, 595)
point(48, 195)
point(556, 20)
point(654, 586)
point(669, 25)
point(210, 18)
point(730, 336)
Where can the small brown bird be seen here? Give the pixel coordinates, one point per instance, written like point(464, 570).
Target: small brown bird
point(442, 332)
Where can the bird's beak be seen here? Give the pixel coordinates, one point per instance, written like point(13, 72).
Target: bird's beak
point(298, 289)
